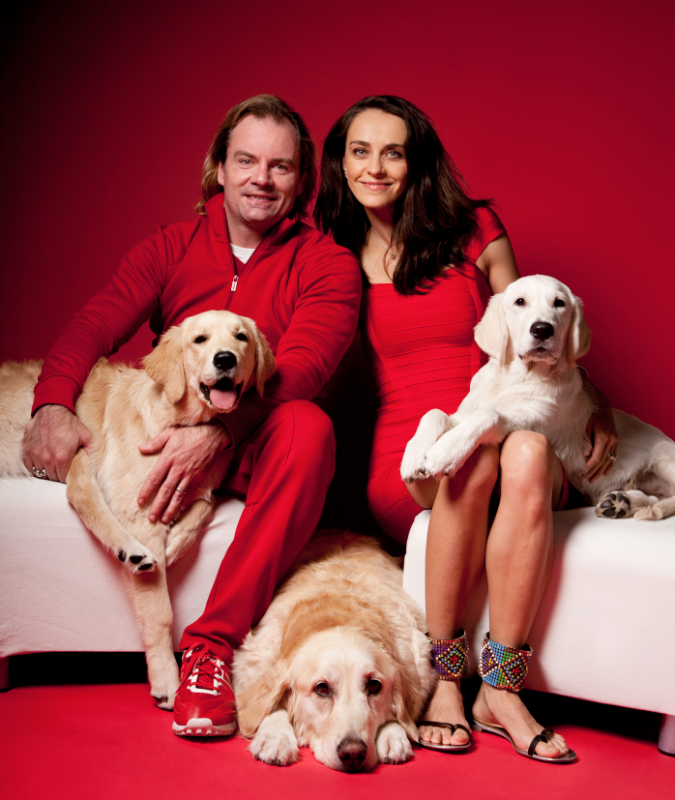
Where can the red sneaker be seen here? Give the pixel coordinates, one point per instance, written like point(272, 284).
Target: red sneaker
point(204, 704)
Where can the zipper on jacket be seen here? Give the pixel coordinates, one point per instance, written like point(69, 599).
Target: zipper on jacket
point(235, 281)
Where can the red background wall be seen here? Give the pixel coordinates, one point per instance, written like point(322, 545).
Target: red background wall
point(561, 112)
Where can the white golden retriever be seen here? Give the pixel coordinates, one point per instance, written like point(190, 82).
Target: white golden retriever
point(197, 370)
point(534, 332)
point(339, 663)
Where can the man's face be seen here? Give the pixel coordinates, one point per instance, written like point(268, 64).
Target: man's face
point(260, 177)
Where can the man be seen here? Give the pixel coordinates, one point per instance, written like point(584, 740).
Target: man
point(248, 252)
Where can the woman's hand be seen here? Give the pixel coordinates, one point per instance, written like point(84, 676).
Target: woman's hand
point(187, 454)
point(601, 432)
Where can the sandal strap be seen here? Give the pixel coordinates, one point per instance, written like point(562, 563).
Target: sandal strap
point(450, 657)
point(503, 667)
point(544, 736)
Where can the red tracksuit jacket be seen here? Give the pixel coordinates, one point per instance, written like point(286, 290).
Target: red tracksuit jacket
point(302, 290)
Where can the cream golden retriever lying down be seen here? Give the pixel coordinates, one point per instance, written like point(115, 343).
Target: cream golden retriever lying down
point(197, 370)
point(533, 333)
point(339, 663)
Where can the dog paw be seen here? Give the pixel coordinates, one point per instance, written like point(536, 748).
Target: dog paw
point(275, 742)
point(615, 505)
point(164, 693)
point(412, 465)
point(138, 561)
point(393, 746)
point(439, 463)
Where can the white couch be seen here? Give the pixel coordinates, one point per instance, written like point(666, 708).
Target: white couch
point(60, 591)
point(603, 633)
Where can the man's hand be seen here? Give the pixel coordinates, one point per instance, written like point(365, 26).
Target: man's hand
point(51, 440)
point(187, 454)
point(601, 432)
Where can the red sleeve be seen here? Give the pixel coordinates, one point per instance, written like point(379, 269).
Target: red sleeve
point(322, 327)
point(105, 323)
point(488, 228)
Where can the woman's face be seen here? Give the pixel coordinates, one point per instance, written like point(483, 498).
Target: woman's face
point(374, 162)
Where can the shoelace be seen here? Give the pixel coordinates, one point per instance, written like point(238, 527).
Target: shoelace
point(207, 675)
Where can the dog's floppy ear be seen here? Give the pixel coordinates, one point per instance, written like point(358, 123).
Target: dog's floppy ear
point(165, 365)
point(260, 698)
point(265, 363)
point(406, 703)
point(491, 333)
point(579, 336)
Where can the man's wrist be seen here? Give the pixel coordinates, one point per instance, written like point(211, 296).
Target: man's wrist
point(224, 434)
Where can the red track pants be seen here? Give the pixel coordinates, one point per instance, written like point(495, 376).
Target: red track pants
point(284, 468)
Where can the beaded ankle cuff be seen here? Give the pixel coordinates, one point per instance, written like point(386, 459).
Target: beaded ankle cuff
point(450, 657)
point(503, 667)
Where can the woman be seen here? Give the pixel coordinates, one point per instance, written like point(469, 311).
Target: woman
point(432, 257)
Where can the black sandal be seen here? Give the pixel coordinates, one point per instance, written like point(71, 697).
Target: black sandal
point(450, 662)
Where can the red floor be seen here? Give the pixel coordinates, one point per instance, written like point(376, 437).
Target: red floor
point(109, 741)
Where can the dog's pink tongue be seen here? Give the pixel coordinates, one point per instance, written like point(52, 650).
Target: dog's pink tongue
point(223, 401)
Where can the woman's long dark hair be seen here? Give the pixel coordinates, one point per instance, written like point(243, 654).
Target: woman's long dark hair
point(433, 219)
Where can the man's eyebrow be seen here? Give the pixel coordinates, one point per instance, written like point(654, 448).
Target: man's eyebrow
point(246, 154)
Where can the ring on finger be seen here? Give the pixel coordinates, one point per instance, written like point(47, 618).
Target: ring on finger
point(181, 491)
point(39, 473)
point(612, 457)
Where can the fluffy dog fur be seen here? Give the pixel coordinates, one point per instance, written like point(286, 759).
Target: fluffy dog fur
point(534, 332)
point(339, 663)
point(208, 359)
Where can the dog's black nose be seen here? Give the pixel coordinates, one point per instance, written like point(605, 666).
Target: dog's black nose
point(352, 754)
point(224, 360)
point(542, 330)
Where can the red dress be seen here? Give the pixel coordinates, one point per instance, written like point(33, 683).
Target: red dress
point(423, 356)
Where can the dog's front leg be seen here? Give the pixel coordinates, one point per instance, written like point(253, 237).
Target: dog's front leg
point(150, 598)
point(446, 456)
point(393, 745)
point(432, 426)
point(84, 494)
point(275, 741)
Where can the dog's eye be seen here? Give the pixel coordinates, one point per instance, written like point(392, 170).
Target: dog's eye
point(322, 689)
point(373, 686)
point(520, 302)
point(200, 339)
point(242, 337)
point(558, 303)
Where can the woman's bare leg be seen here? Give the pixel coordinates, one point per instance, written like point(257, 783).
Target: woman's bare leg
point(518, 563)
point(454, 562)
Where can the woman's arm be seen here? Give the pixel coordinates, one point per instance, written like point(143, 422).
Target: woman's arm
point(601, 432)
point(498, 263)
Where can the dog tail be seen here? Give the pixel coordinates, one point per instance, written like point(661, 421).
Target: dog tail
point(17, 385)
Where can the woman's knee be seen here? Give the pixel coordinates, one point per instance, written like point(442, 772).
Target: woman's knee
point(528, 462)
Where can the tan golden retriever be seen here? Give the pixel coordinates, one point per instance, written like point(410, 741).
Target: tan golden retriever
point(534, 332)
point(339, 663)
point(199, 369)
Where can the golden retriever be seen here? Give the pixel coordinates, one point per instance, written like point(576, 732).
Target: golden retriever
point(199, 369)
point(339, 663)
point(534, 332)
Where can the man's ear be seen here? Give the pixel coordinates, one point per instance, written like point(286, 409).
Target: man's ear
point(578, 336)
point(165, 365)
point(491, 333)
